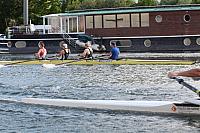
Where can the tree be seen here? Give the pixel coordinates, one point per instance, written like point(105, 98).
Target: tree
point(195, 1)
point(175, 2)
point(126, 3)
point(88, 4)
point(147, 2)
point(38, 8)
point(168, 2)
point(184, 2)
point(11, 13)
point(74, 5)
point(64, 5)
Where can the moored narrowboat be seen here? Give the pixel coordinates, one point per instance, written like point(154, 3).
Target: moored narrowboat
point(133, 29)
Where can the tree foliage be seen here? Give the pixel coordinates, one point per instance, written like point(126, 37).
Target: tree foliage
point(184, 2)
point(39, 8)
point(175, 2)
point(168, 2)
point(147, 2)
point(195, 1)
point(10, 12)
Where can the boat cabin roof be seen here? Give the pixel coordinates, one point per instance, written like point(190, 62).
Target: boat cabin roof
point(127, 10)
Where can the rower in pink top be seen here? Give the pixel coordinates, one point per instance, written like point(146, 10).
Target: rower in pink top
point(41, 54)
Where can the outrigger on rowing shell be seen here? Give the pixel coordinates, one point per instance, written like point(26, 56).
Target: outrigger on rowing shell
point(189, 107)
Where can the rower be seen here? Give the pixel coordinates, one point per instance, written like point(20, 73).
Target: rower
point(64, 53)
point(42, 52)
point(193, 73)
point(87, 53)
point(114, 53)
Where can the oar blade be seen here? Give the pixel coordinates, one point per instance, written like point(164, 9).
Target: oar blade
point(49, 66)
point(2, 65)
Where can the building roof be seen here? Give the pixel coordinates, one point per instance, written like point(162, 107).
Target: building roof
point(128, 10)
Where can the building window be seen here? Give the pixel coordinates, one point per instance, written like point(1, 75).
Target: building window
point(187, 18)
point(109, 21)
point(135, 20)
point(98, 21)
point(89, 22)
point(123, 20)
point(81, 23)
point(158, 18)
point(144, 19)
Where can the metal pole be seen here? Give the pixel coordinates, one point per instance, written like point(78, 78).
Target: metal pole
point(25, 12)
point(44, 25)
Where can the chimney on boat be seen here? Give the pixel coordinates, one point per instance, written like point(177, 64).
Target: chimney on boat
point(25, 12)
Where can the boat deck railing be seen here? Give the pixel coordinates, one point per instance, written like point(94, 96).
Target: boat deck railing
point(69, 39)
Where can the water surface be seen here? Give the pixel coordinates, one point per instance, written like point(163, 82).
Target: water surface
point(125, 82)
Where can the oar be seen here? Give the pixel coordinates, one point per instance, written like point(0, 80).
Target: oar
point(52, 57)
point(182, 82)
point(14, 63)
point(196, 62)
point(61, 64)
point(108, 58)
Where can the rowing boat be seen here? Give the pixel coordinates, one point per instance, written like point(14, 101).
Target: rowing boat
point(188, 107)
point(171, 107)
point(100, 62)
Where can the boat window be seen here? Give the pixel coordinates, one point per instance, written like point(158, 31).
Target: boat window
point(122, 43)
point(73, 24)
point(135, 21)
point(9, 44)
point(89, 22)
point(198, 41)
point(158, 18)
point(55, 24)
point(187, 41)
point(81, 23)
point(123, 20)
point(20, 44)
point(98, 21)
point(147, 43)
point(109, 21)
point(64, 25)
point(187, 18)
point(144, 19)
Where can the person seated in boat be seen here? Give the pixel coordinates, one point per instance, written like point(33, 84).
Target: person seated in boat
point(114, 53)
point(42, 52)
point(87, 53)
point(64, 53)
point(193, 73)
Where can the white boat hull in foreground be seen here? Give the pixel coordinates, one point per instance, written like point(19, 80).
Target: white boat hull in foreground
point(137, 106)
